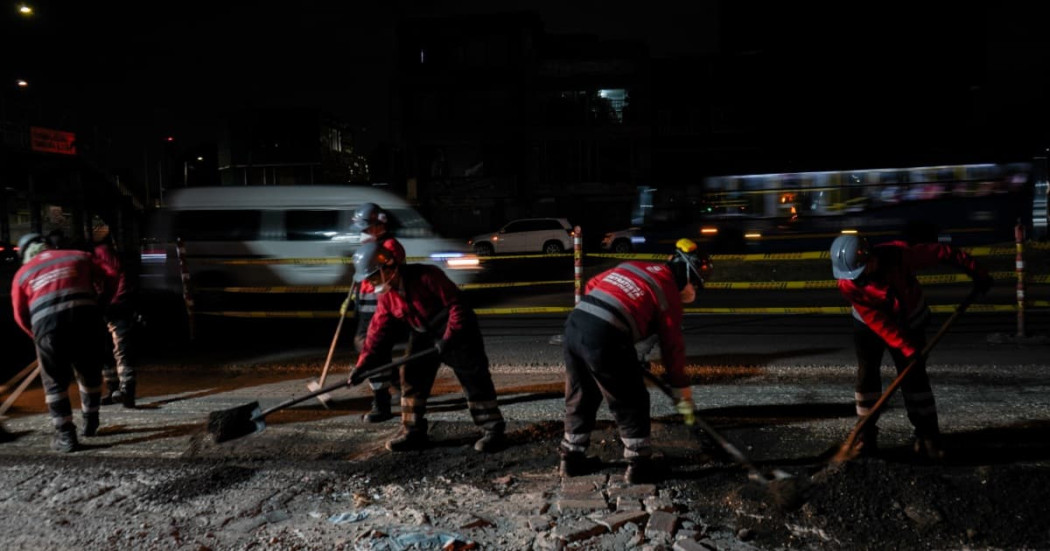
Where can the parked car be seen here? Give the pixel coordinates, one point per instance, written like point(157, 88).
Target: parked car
point(527, 235)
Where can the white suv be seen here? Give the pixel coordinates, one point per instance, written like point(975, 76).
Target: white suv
point(528, 235)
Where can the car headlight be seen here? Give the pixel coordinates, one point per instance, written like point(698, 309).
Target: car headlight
point(456, 261)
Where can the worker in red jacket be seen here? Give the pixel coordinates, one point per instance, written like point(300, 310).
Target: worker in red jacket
point(421, 299)
point(890, 312)
point(55, 302)
point(120, 318)
point(621, 307)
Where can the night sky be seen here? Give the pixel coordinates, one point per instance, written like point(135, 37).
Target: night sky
point(869, 71)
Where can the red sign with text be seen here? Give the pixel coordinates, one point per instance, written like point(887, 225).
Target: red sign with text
point(52, 141)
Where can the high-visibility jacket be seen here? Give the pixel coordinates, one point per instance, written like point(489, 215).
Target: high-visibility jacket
point(889, 300)
point(106, 255)
point(641, 299)
point(423, 298)
point(54, 285)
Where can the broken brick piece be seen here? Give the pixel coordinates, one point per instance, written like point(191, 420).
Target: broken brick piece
point(616, 520)
point(637, 491)
point(577, 530)
point(661, 524)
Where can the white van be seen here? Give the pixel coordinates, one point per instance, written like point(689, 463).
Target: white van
point(249, 236)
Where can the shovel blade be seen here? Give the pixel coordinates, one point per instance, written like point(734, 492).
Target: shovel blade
point(236, 422)
point(314, 386)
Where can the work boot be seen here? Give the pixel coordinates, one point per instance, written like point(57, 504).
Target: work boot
point(578, 464)
point(65, 439)
point(127, 394)
point(408, 440)
point(113, 396)
point(90, 425)
point(380, 407)
point(928, 447)
point(640, 470)
point(491, 441)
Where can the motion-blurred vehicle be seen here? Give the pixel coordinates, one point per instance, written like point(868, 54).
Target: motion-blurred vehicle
point(623, 241)
point(282, 236)
point(527, 235)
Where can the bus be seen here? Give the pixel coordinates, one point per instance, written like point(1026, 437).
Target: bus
point(962, 204)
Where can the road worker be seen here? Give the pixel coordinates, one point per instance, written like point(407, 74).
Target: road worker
point(370, 220)
point(421, 299)
point(890, 312)
point(121, 319)
point(55, 302)
point(620, 307)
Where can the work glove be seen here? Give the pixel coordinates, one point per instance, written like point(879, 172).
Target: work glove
point(441, 345)
point(688, 411)
point(684, 404)
point(357, 376)
point(345, 307)
point(982, 285)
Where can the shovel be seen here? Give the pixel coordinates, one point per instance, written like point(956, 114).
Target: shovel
point(248, 419)
point(846, 451)
point(316, 385)
point(753, 472)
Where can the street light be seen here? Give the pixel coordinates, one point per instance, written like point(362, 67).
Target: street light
point(22, 83)
point(25, 9)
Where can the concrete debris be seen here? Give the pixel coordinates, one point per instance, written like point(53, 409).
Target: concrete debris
point(577, 530)
point(616, 520)
point(662, 525)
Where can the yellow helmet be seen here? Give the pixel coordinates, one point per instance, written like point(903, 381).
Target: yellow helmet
point(688, 265)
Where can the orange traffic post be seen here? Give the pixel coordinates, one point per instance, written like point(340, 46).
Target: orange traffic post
point(1019, 238)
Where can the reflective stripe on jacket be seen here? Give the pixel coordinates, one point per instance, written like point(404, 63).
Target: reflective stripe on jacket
point(641, 299)
point(890, 300)
point(53, 283)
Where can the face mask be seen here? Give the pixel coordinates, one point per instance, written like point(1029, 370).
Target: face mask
point(688, 294)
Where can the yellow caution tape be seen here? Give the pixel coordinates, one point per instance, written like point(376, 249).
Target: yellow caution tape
point(523, 310)
point(770, 285)
point(300, 289)
point(520, 256)
point(288, 315)
point(809, 255)
point(630, 256)
point(469, 286)
point(940, 309)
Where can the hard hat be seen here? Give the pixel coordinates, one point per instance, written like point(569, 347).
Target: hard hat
point(688, 264)
point(849, 256)
point(25, 242)
point(369, 258)
point(366, 216)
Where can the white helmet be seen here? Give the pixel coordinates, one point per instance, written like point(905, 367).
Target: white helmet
point(849, 256)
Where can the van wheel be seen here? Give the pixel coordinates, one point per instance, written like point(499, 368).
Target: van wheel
point(483, 249)
point(553, 247)
point(621, 246)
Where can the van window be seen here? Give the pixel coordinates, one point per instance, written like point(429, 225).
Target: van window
point(311, 225)
point(408, 223)
point(217, 225)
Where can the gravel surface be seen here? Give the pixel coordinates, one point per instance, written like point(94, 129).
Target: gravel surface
point(320, 478)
